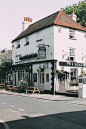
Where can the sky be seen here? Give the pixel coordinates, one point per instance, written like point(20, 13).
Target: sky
point(12, 13)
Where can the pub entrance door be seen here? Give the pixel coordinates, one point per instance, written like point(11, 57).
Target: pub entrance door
point(61, 77)
point(41, 81)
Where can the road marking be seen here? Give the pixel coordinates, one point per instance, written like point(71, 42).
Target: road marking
point(3, 103)
point(5, 125)
point(11, 106)
point(21, 109)
point(14, 111)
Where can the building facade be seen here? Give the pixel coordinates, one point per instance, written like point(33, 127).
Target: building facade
point(55, 42)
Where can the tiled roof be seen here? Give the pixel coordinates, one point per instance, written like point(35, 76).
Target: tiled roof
point(58, 18)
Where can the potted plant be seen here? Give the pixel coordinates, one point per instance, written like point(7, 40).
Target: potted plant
point(22, 85)
point(73, 83)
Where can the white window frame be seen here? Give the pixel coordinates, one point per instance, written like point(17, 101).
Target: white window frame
point(71, 34)
point(18, 44)
point(18, 58)
point(26, 41)
point(72, 53)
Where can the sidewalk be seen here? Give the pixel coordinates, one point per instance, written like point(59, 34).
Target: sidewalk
point(59, 98)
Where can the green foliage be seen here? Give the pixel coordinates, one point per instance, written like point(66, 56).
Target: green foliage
point(22, 85)
point(79, 10)
point(30, 83)
point(73, 83)
point(39, 69)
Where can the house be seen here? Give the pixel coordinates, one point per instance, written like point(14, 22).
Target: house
point(54, 42)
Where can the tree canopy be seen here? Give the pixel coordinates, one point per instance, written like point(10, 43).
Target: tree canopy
point(79, 10)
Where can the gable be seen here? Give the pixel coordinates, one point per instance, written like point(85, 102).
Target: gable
point(58, 18)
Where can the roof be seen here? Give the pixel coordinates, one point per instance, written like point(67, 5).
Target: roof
point(58, 18)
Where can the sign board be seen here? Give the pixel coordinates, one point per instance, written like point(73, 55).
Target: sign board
point(72, 64)
point(42, 52)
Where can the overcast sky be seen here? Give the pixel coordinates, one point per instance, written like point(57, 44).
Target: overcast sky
point(12, 13)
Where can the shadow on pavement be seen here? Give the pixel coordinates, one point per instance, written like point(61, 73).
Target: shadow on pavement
point(67, 120)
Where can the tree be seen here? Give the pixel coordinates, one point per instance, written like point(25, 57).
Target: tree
point(79, 10)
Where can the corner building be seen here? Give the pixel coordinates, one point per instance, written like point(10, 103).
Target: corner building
point(54, 42)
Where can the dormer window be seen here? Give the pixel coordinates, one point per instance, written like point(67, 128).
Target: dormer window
point(18, 44)
point(27, 41)
point(71, 34)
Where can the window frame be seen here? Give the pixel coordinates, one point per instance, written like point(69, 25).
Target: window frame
point(71, 34)
point(47, 77)
point(18, 44)
point(26, 41)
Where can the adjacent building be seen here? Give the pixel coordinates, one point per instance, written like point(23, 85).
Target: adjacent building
point(54, 42)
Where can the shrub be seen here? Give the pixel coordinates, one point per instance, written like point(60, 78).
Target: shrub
point(22, 85)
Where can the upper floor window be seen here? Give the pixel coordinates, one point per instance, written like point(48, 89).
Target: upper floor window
point(18, 44)
point(72, 54)
point(71, 34)
point(18, 58)
point(27, 41)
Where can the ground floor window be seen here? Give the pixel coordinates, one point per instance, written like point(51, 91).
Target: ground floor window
point(74, 74)
point(47, 77)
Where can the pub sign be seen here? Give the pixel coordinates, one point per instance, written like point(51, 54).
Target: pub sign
point(42, 52)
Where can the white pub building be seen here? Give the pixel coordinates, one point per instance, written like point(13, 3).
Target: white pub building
point(54, 42)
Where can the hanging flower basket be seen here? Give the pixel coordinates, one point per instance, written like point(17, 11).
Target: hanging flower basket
point(39, 69)
point(28, 70)
point(54, 71)
point(57, 70)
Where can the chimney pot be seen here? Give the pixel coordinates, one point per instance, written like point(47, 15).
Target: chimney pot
point(31, 20)
point(27, 19)
point(73, 11)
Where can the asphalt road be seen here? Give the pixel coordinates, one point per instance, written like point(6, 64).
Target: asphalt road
point(18, 112)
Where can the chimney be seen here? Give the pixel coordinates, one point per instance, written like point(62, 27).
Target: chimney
point(27, 21)
point(73, 16)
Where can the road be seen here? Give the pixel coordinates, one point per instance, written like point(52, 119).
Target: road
point(18, 112)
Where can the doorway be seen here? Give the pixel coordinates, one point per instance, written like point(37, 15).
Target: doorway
point(41, 81)
point(61, 82)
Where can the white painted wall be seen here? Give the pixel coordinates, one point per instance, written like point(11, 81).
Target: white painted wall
point(48, 39)
point(62, 42)
point(47, 85)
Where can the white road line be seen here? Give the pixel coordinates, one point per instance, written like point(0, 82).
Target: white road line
point(14, 111)
point(11, 106)
point(5, 125)
point(3, 103)
point(21, 109)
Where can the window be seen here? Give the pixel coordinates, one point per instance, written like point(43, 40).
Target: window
point(47, 77)
point(34, 77)
point(71, 34)
point(18, 58)
point(74, 74)
point(72, 54)
point(18, 44)
point(27, 41)
point(85, 36)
